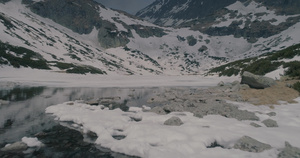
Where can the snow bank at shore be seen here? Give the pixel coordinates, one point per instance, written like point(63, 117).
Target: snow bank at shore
point(149, 137)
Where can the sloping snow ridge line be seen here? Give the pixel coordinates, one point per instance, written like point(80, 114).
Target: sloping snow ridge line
point(150, 138)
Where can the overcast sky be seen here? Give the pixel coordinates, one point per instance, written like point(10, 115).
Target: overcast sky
point(130, 6)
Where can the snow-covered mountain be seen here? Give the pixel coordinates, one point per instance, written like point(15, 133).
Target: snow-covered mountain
point(175, 12)
point(178, 12)
point(82, 36)
point(250, 19)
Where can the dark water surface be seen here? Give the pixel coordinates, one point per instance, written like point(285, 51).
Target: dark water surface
point(24, 114)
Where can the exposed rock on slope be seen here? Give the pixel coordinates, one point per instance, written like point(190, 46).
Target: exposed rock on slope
point(250, 19)
point(173, 121)
point(289, 151)
point(170, 12)
point(249, 144)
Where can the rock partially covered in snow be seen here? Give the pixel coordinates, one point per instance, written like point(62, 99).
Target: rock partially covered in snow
point(270, 123)
point(173, 121)
point(255, 81)
point(289, 151)
point(15, 147)
point(4, 102)
point(251, 145)
point(271, 114)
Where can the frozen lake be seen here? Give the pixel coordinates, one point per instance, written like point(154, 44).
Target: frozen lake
point(24, 114)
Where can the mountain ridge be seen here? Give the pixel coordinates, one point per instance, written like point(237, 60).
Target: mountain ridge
point(115, 43)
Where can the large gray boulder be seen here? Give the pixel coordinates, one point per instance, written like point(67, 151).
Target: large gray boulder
point(173, 121)
point(270, 123)
point(256, 81)
point(15, 147)
point(251, 145)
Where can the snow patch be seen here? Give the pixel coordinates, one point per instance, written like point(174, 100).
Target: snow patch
point(31, 142)
point(150, 138)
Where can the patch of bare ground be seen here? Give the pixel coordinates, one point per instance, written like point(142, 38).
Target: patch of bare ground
point(272, 95)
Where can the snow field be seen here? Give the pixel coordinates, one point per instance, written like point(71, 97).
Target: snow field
point(31, 142)
point(151, 138)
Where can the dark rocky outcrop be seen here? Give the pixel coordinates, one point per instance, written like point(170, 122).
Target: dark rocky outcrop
point(255, 81)
point(252, 31)
point(109, 37)
point(196, 9)
point(82, 17)
point(147, 31)
point(191, 40)
point(202, 15)
point(283, 7)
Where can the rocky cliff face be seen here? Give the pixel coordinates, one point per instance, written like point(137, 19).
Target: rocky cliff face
point(176, 12)
point(170, 12)
point(283, 7)
point(81, 17)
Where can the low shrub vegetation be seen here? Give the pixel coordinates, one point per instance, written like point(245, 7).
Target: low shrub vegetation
point(296, 86)
point(20, 56)
point(293, 69)
point(264, 64)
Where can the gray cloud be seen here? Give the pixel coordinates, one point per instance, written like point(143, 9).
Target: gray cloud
point(130, 6)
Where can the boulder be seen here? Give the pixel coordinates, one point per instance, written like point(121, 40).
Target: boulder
point(289, 151)
point(271, 114)
point(270, 123)
point(15, 147)
point(251, 145)
point(173, 121)
point(256, 81)
point(158, 110)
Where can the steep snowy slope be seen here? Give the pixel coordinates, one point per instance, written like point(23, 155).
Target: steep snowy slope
point(150, 49)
